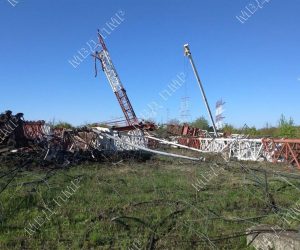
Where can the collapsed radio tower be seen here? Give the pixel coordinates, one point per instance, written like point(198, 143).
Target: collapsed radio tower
point(115, 82)
point(219, 114)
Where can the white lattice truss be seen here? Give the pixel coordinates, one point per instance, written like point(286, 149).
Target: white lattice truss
point(134, 140)
point(241, 149)
point(238, 147)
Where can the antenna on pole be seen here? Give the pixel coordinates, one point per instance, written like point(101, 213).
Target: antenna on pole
point(188, 53)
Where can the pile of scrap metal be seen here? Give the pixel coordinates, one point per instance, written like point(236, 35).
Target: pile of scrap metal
point(186, 130)
point(59, 145)
point(94, 144)
point(17, 133)
point(64, 146)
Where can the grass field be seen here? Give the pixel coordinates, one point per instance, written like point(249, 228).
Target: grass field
point(162, 203)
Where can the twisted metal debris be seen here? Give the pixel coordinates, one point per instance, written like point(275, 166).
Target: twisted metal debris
point(238, 146)
point(62, 147)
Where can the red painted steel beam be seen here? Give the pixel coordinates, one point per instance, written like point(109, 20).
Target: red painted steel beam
point(285, 149)
point(33, 129)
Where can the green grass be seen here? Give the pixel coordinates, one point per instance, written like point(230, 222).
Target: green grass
point(117, 206)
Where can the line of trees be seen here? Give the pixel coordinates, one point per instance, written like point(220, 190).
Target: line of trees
point(285, 128)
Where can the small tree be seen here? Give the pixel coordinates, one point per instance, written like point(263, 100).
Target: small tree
point(65, 125)
point(201, 123)
point(268, 132)
point(286, 127)
point(298, 132)
point(228, 129)
point(174, 122)
point(251, 131)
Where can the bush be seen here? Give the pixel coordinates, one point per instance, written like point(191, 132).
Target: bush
point(229, 129)
point(65, 125)
point(201, 123)
point(287, 128)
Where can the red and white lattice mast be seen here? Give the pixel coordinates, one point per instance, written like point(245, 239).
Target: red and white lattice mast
point(115, 82)
point(219, 114)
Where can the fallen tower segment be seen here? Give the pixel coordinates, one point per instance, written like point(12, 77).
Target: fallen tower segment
point(126, 143)
point(272, 150)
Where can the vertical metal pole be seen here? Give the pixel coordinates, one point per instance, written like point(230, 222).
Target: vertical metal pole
point(188, 53)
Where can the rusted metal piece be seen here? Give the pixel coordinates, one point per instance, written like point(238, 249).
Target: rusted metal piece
point(10, 129)
point(34, 130)
point(186, 130)
point(69, 145)
point(189, 142)
point(58, 132)
point(285, 150)
point(145, 126)
point(82, 139)
point(165, 142)
point(16, 133)
point(174, 129)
